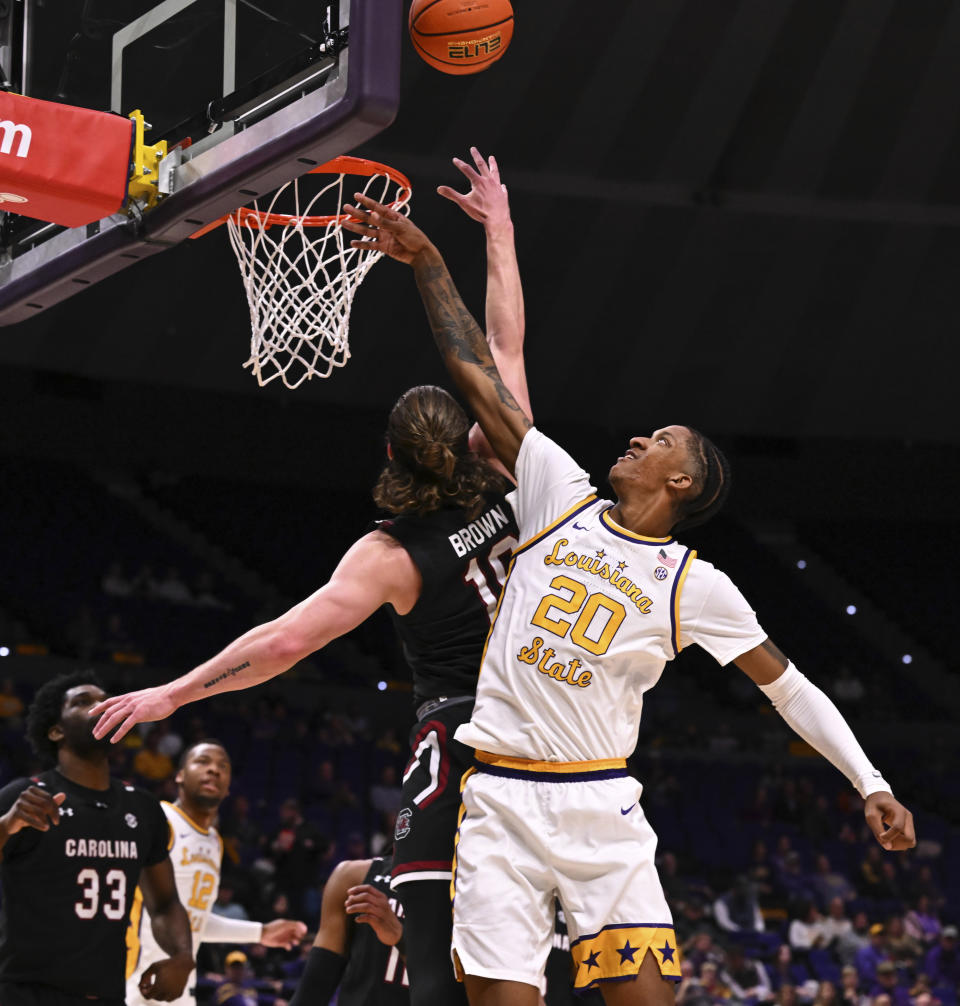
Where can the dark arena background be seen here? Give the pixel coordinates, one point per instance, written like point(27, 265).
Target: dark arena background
point(742, 215)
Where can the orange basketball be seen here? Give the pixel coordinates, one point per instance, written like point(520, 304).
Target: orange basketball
point(461, 36)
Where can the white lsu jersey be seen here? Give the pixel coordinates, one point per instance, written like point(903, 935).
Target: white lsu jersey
point(589, 615)
point(196, 854)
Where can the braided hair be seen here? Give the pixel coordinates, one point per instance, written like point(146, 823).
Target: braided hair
point(432, 464)
point(711, 472)
point(47, 707)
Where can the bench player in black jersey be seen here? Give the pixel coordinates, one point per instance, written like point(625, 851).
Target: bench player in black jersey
point(75, 844)
point(359, 946)
point(438, 565)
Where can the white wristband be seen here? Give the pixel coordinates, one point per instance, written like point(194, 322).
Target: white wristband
point(818, 721)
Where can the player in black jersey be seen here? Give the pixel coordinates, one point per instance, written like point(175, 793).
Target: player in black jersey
point(75, 843)
point(359, 946)
point(438, 565)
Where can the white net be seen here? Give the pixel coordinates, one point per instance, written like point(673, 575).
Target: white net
point(301, 278)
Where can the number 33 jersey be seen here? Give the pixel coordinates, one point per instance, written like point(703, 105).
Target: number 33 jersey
point(589, 616)
point(67, 892)
point(196, 854)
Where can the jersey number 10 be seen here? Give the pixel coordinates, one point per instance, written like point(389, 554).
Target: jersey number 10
point(487, 573)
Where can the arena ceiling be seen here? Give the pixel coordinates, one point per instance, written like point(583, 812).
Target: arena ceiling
point(743, 214)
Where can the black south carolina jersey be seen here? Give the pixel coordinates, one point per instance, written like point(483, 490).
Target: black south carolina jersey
point(463, 564)
point(67, 891)
point(375, 974)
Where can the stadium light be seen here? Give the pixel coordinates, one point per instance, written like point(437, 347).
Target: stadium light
point(381, 686)
point(851, 609)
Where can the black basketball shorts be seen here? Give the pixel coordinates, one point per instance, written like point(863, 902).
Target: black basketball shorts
point(430, 800)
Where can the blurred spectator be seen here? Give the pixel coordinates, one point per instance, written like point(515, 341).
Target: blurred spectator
point(333, 794)
point(712, 984)
point(888, 983)
point(82, 634)
point(851, 992)
point(172, 588)
point(904, 949)
point(689, 991)
point(241, 837)
point(786, 995)
point(835, 924)
point(794, 882)
point(738, 910)
point(237, 987)
point(385, 795)
point(921, 922)
point(297, 847)
point(942, 963)
point(204, 596)
point(11, 705)
point(873, 954)
point(114, 583)
point(701, 948)
point(848, 689)
point(150, 763)
point(806, 929)
point(748, 979)
point(826, 994)
point(829, 884)
point(850, 943)
point(226, 906)
point(925, 884)
point(786, 971)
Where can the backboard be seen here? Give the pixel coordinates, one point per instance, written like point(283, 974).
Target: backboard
point(247, 94)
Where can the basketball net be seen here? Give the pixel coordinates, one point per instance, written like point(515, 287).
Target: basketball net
point(300, 272)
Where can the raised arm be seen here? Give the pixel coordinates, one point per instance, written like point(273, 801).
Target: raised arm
point(375, 571)
point(488, 203)
point(457, 335)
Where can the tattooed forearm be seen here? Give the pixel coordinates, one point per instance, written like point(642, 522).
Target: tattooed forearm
point(455, 331)
point(228, 673)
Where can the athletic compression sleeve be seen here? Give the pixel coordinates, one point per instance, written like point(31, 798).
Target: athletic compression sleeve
point(818, 721)
point(220, 929)
point(320, 978)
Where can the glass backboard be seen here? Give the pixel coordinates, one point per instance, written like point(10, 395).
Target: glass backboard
point(248, 94)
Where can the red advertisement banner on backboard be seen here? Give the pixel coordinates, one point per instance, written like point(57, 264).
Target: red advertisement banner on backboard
point(60, 163)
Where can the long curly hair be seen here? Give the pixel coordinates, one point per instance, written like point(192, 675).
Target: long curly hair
point(432, 465)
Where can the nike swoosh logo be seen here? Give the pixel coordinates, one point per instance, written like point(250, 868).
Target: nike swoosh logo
point(627, 811)
point(580, 527)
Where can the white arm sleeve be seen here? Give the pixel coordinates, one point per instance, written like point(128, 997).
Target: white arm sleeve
point(220, 929)
point(818, 721)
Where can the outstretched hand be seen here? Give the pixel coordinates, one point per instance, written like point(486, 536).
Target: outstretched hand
point(285, 933)
point(487, 199)
point(385, 230)
point(890, 822)
point(124, 712)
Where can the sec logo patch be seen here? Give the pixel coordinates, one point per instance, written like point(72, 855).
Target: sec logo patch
point(403, 823)
point(660, 573)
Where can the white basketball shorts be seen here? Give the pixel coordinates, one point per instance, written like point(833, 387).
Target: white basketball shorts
point(533, 831)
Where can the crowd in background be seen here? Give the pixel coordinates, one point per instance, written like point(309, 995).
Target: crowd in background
point(779, 893)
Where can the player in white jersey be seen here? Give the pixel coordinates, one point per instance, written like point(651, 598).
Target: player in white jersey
point(599, 596)
point(196, 851)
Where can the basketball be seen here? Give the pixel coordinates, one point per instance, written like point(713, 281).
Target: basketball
point(461, 36)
